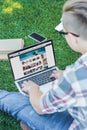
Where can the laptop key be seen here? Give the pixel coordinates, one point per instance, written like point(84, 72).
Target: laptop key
point(40, 79)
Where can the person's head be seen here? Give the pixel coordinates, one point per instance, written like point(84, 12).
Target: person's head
point(74, 20)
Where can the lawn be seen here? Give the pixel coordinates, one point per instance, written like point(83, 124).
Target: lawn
point(18, 18)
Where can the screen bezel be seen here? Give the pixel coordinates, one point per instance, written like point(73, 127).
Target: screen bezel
point(18, 51)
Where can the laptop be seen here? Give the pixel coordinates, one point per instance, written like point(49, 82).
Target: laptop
point(35, 63)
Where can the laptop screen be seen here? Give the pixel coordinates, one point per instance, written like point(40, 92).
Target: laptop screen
point(32, 59)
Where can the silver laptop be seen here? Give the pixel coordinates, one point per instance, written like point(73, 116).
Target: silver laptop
point(34, 63)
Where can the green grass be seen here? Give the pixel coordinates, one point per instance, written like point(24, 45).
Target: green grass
point(18, 18)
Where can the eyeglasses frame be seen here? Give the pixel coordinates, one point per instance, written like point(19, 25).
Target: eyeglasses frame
point(66, 33)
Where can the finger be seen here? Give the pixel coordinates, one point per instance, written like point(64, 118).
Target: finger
point(54, 71)
point(24, 90)
point(31, 83)
point(25, 83)
point(52, 75)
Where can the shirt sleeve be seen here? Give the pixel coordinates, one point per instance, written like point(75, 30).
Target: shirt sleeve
point(61, 96)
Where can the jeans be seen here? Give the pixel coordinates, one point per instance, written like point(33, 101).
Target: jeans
point(18, 106)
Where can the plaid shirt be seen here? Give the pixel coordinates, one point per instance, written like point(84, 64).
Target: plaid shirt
point(70, 93)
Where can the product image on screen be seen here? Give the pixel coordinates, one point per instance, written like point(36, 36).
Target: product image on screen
point(34, 61)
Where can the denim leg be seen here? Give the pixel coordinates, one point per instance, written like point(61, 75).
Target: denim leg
point(18, 105)
point(56, 121)
point(13, 102)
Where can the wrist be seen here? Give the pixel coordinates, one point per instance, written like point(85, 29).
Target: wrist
point(33, 90)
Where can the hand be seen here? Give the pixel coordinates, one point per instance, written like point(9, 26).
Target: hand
point(35, 94)
point(56, 74)
point(29, 87)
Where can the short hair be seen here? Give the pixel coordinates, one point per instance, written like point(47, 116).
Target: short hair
point(75, 17)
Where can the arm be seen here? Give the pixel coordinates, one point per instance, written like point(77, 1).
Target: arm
point(34, 93)
point(62, 96)
point(59, 98)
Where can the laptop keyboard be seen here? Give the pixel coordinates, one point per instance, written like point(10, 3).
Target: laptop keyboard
point(40, 79)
